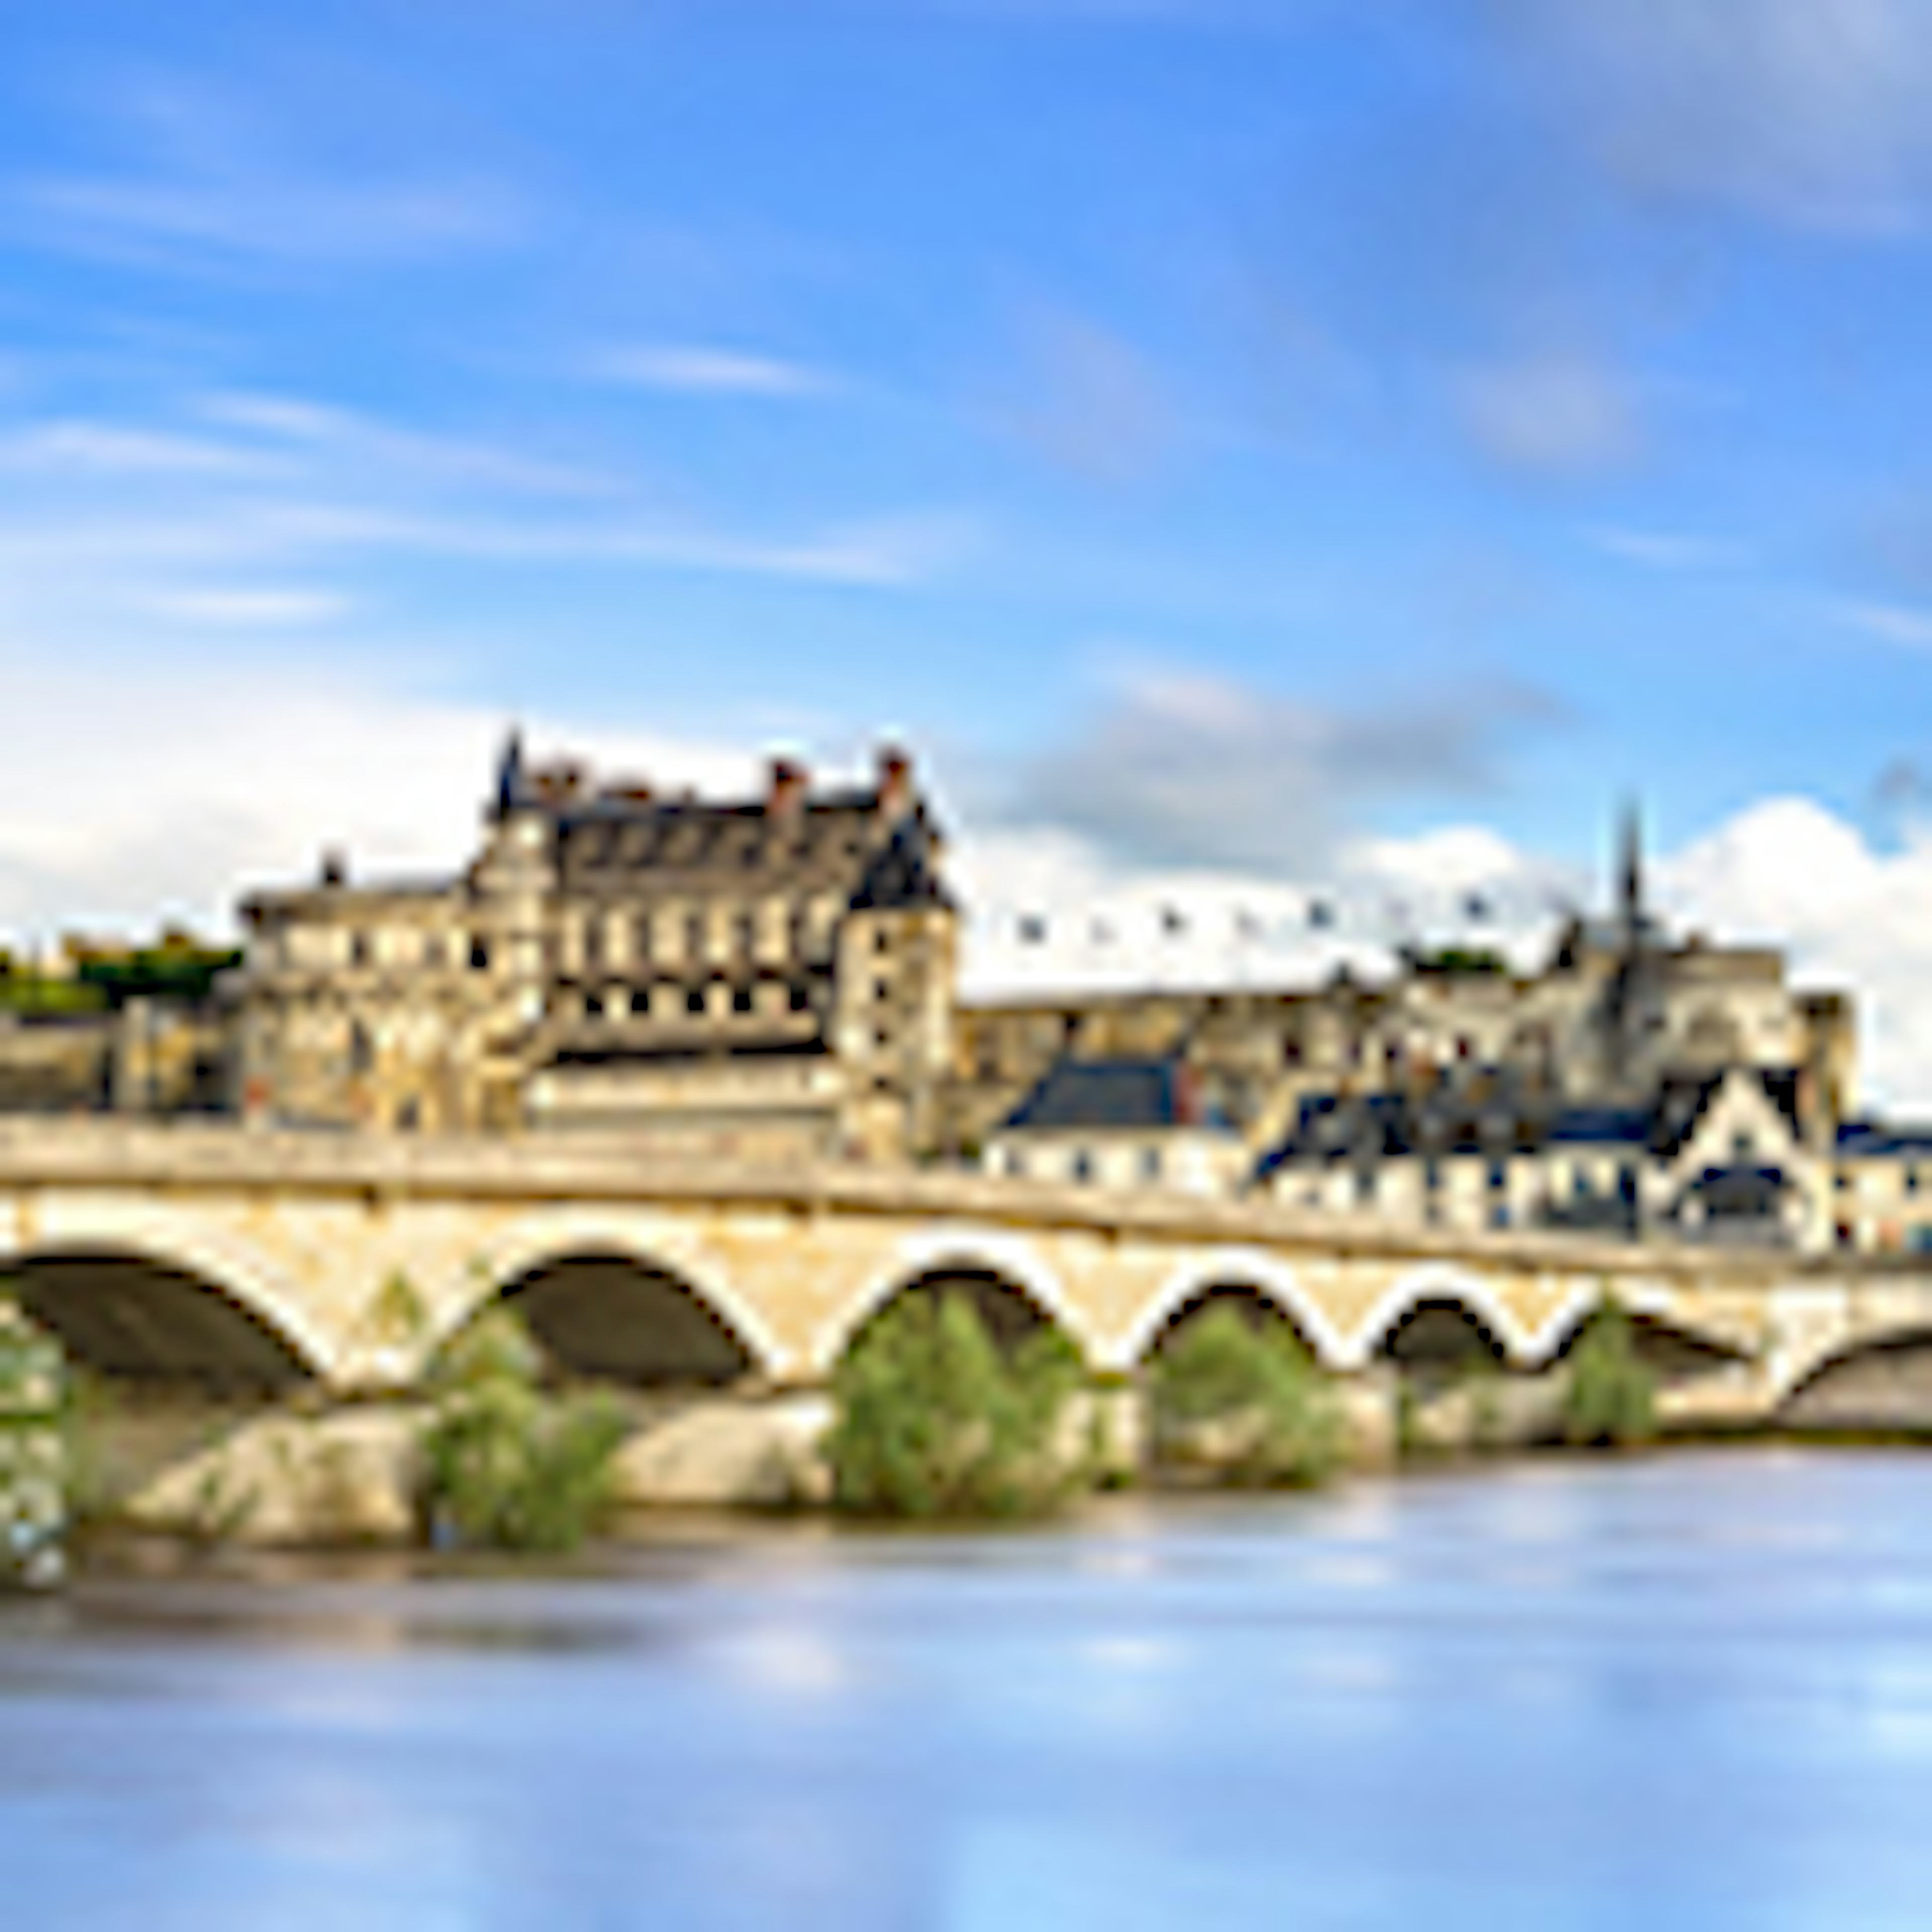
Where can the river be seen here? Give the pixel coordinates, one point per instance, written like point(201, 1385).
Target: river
point(1690, 1690)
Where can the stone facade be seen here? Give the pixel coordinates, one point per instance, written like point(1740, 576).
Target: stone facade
point(767, 978)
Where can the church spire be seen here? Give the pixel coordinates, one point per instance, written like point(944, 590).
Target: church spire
point(510, 774)
point(1630, 873)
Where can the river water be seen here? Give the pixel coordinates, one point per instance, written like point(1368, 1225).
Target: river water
point(1692, 1691)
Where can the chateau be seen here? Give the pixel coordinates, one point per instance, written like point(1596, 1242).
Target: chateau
point(775, 978)
point(769, 977)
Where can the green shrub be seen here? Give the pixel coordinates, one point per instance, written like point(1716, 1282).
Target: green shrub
point(505, 1465)
point(934, 1420)
point(1246, 1399)
point(1612, 1394)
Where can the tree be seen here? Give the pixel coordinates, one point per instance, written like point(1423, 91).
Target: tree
point(934, 1420)
point(1612, 1395)
point(505, 1465)
point(1246, 1399)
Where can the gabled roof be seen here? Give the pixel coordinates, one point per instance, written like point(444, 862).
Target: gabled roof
point(1115, 1094)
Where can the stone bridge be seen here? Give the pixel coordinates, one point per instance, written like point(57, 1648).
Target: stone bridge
point(222, 1255)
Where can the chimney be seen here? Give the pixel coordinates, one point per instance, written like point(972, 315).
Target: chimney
point(626, 791)
point(786, 783)
point(895, 784)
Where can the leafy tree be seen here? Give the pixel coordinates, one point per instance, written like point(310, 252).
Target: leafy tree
point(934, 1420)
point(1247, 1397)
point(1612, 1394)
point(505, 1465)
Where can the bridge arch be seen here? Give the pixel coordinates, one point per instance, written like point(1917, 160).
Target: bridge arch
point(604, 1302)
point(1269, 1279)
point(175, 1312)
point(1001, 1262)
point(1880, 1380)
point(1439, 1285)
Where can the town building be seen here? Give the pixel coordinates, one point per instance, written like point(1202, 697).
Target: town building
point(1126, 1123)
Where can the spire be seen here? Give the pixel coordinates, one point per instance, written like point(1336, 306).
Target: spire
point(1630, 881)
point(510, 774)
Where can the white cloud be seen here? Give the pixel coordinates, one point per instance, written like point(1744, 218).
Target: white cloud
point(123, 799)
point(706, 370)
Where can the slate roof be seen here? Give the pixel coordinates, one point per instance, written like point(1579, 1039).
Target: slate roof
point(1505, 1117)
point(1874, 1139)
point(1118, 1094)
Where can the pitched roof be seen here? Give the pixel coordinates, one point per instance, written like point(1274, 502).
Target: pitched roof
point(1116, 1094)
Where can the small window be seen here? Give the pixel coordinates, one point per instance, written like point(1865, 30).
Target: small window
point(741, 999)
point(799, 996)
point(1498, 1177)
point(593, 943)
point(882, 989)
point(694, 1000)
point(358, 949)
point(593, 1006)
point(362, 1049)
point(882, 940)
point(640, 938)
point(745, 935)
point(1741, 1148)
point(1083, 1164)
point(479, 955)
point(693, 935)
point(1150, 1163)
point(1499, 1217)
point(1431, 1174)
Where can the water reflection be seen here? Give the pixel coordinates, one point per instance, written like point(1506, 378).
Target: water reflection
point(1688, 1691)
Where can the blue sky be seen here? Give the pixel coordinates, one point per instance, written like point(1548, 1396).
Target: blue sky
point(1239, 444)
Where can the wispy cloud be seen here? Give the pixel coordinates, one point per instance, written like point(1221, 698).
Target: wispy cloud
point(1908, 624)
point(1554, 414)
point(1808, 112)
point(1663, 550)
point(250, 607)
point(698, 369)
point(203, 181)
